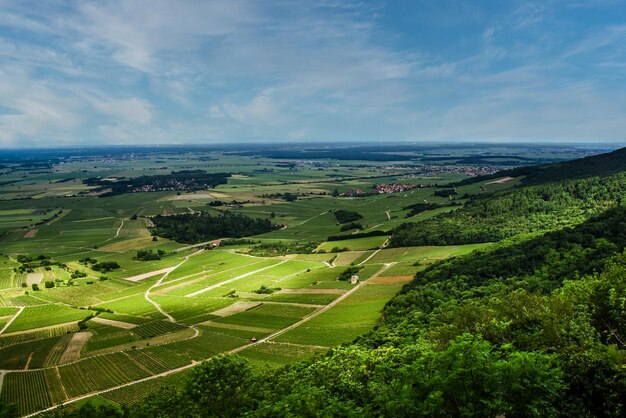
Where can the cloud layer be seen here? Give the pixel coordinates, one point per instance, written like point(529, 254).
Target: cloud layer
point(142, 72)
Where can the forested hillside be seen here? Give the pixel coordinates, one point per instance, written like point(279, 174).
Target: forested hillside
point(540, 208)
point(596, 165)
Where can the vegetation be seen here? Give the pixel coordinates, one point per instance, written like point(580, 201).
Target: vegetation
point(194, 228)
point(344, 216)
point(273, 249)
point(540, 208)
point(530, 325)
point(349, 272)
point(149, 255)
point(107, 266)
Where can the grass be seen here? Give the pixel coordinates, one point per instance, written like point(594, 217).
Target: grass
point(268, 316)
point(44, 316)
point(274, 355)
point(345, 321)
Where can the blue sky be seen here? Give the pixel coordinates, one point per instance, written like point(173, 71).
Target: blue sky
point(167, 72)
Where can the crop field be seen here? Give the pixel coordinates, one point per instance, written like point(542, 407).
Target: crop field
point(358, 313)
point(91, 302)
point(275, 354)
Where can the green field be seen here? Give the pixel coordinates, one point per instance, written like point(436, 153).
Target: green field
point(141, 318)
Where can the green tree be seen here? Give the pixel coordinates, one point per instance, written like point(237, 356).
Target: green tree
point(221, 387)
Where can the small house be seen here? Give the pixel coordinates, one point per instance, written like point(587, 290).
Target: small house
point(354, 279)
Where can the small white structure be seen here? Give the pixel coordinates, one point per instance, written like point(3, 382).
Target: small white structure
point(354, 279)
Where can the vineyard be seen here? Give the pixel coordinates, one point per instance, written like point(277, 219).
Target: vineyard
point(85, 331)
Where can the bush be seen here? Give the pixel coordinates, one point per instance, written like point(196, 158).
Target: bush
point(344, 216)
point(49, 284)
point(347, 273)
point(35, 287)
point(105, 266)
point(149, 255)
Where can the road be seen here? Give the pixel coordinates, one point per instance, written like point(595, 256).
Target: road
point(11, 320)
point(146, 295)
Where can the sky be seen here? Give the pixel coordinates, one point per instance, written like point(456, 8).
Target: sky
point(213, 71)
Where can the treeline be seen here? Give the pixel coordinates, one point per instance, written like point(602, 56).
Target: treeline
point(193, 228)
point(493, 217)
point(374, 233)
point(273, 249)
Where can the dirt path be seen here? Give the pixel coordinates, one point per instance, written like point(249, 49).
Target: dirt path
point(382, 246)
point(2, 373)
point(388, 215)
point(146, 295)
point(28, 361)
point(250, 273)
point(117, 233)
point(8, 324)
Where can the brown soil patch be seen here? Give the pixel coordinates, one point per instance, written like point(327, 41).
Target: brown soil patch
point(76, 344)
point(114, 323)
point(390, 280)
point(31, 233)
point(149, 274)
point(191, 196)
point(499, 181)
point(235, 308)
point(32, 278)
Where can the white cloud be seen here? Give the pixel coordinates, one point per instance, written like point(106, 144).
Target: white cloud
point(133, 110)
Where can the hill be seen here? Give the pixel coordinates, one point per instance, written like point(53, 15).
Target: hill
point(536, 208)
point(596, 165)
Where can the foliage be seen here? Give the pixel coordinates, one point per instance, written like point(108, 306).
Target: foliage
point(501, 215)
point(349, 272)
point(264, 290)
point(106, 266)
point(194, 228)
point(374, 233)
point(273, 249)
point(350, 226)
point(149, 255)
point(417, 208)
point(344, 216)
